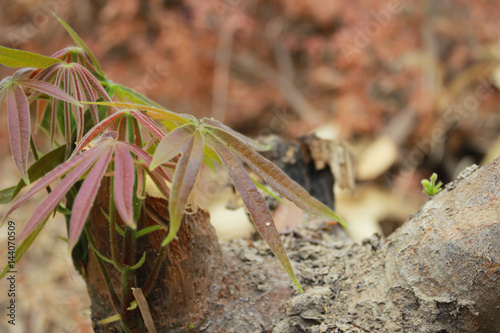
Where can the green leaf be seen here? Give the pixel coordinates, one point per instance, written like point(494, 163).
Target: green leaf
point(17, 58)
point(133, 96)
point(80, 43)
point(140, 263)
point(150, 229)
point(24, 246)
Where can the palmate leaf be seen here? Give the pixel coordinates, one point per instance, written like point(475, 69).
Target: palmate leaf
point(19, 128)
point(124, 184)
point(172, 144)
point(86, 195)
point(255, 203)
point(23, 247)
point(132, 95)
point(76, 167)
point(41, 167)
point(183, 183)
point(81, 43)
point(274, 176)
point(17, 58)
point(153, 112)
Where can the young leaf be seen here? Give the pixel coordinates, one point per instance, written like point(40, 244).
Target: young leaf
point(172, 144)
point(133, 96)
point(86, 196)
point(80, 43)
point(147, 122)
point(23, 247)
point(257, 207)
point(48, 89)
point(254, 143)
point(96, 130)
point(58, 172)
point(124, 184)
point(17, 58)
point(153, 112)
point(275, 177)
point(37, 170)
point(19, 128)
point(183, 183)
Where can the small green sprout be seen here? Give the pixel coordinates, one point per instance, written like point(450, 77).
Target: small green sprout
point(430, 187)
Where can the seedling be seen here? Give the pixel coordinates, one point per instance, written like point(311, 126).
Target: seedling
point(102, 129)
point(430, 186)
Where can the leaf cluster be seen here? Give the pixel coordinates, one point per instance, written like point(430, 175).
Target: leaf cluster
point(103, 129)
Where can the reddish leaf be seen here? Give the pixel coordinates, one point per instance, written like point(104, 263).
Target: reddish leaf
point(254, 143)
point(257, 207)
point(147, 122)
point(141, 153)
point(153, 112)
point(183, 183)
point(159, 180)
point(19, 128)
point(96, 130)
point(124, 183)
point(275, 177)
point(55, 174)
point(48, 89)
point(86, 196)
point(172, 144)
point(51, 202)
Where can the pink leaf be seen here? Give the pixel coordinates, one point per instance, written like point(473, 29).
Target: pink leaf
point(257, 207)
point(183, 183)
point(48, 89)
point(275, 177)
point(51, 202)
point(152, 127)
point(141, 153)
point(254, 143)
point(124, 183)
point(55, 174)
point(19, 128)
point(172, 144)
point(95, 131)
point(86, 195)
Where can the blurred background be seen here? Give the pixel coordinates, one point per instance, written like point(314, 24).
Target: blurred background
point(411, 86)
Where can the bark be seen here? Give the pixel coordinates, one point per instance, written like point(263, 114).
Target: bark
point(440, 272)
point(189, 277)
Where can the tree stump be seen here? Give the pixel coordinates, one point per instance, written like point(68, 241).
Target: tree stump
point(188, 280)
point(440, 272)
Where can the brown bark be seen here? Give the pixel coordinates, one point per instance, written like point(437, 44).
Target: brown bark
point(440, 272)
point(189, 277)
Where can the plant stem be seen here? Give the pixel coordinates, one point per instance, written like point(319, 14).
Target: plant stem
point(109, 284)
point(154, 272)
point(129, 318)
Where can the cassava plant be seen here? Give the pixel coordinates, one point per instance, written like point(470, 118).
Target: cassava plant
point(101, 132)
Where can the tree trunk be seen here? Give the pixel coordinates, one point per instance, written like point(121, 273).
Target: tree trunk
point(440, 272)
